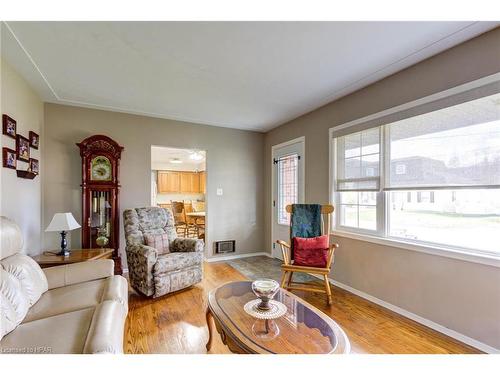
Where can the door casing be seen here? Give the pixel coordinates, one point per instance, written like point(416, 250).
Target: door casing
point(302, 184)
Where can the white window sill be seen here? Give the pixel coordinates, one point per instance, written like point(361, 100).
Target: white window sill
point(490, 260)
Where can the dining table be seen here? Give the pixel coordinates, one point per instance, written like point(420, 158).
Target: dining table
point(197, 216)
point(199, 222)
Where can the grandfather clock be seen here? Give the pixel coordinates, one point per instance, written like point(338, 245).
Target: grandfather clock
point(100, 188)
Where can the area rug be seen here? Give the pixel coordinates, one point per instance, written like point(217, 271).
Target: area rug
point(262, 267)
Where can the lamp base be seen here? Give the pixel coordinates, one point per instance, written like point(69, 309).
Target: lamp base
point(64, 245)
point(64, 252)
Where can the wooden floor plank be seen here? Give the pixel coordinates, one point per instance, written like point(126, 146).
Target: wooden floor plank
point(175, 323)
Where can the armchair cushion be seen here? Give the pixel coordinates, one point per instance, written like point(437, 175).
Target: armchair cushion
point(187, 245)
point(147, 220)
point(159, 241)
point(177, 261)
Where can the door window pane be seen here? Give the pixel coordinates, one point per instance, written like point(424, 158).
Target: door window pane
point(288, 185)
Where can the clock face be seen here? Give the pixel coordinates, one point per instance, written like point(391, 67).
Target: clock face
point(100, 169)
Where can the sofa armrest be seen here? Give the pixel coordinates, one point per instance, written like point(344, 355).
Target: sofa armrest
point(183, 245)
point(105, 335)
point(75, 273)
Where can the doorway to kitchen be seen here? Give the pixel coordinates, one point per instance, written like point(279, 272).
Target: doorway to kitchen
point(178, 182)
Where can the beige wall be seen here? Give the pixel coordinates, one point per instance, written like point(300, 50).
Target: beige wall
point(462, 296)
point(21, 198)
point(234, 163)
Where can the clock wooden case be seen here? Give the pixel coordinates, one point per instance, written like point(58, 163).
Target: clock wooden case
point(100, 189)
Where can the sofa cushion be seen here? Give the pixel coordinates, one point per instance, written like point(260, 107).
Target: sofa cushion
point(79, 296)
point(14, 304)
point(158, 241)
point(64, 333)
point(81, 272)
point(176, 261)
point(30, 275)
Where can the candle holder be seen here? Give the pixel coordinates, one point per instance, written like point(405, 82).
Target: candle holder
point(265, 290)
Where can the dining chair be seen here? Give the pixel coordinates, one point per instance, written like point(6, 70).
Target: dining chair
point(289, 268)
point(191, 227)
point(179, 217)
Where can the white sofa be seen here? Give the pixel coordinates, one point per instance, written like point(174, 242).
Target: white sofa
point(76, 308)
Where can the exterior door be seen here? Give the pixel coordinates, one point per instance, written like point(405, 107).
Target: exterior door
point(288, 187)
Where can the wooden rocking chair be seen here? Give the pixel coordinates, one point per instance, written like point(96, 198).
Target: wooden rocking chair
point(289, 268)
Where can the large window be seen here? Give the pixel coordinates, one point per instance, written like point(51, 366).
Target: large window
point(432, 178)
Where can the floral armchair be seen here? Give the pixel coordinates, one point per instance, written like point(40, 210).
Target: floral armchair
point(155, 274)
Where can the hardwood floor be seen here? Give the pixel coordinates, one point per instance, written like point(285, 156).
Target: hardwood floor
point(176, 324)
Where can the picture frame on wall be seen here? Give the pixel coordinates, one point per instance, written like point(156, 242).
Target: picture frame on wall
point(9, 158)
point(34, 166)
point(22, 148)
point(9, 126)
point(34, 140)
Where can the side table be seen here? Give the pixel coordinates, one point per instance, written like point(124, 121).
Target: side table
point(46, 259)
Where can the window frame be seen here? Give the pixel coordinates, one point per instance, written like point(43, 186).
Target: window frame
point(381, 235)
point(380, 196)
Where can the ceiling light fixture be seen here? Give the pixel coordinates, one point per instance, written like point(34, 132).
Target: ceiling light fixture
point(176, 161)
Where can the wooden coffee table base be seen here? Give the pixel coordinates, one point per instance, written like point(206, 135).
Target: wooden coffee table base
point(226, 340)
point(210, 322)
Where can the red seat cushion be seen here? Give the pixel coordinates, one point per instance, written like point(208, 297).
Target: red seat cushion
point(310, 252)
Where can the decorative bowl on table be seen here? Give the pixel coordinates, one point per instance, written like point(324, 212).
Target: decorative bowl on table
point(265, 290)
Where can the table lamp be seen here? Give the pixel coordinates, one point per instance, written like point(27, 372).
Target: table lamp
point(63, 222)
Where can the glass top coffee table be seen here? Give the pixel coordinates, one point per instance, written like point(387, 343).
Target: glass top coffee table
point(302, 330)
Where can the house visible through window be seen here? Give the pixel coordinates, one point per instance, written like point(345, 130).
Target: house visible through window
point(440, 181)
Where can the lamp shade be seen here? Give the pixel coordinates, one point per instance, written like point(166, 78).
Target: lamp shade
point(62, 222)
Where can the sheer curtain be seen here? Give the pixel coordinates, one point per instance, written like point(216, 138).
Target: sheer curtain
point(455, 147)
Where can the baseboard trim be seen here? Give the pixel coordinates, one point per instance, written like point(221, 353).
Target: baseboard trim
point(220, 258)
point(426, 322)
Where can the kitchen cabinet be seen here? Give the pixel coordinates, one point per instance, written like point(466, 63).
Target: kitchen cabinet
point(190, 182)
point(180, 182)
point(203, 182)
point(169, 182)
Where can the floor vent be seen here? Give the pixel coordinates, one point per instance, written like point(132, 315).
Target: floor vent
point(223, 247)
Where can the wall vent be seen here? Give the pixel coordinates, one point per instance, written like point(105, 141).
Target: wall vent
point(223, 247)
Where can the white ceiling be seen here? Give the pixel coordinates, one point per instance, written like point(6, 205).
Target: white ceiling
point(164, 155)
point(245, 75)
